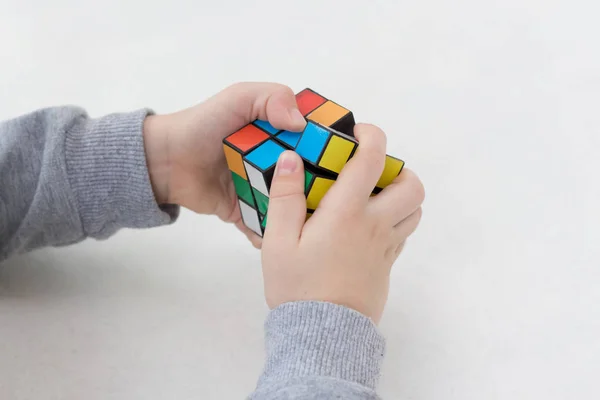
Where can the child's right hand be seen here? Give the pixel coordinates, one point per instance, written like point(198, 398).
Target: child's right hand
point(343, 254)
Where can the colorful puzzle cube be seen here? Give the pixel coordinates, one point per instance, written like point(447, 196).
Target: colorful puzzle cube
point(325, 145)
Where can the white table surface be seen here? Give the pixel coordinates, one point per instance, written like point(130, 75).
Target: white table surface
point(493, 103)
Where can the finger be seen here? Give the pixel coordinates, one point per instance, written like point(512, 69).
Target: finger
point(407, 227)
point(256, 241)
point(392, 253)
point(228, 210)
point(360, 175)
point(399, 249)
point(400, 198)
point(243, 103)
point(287, 203)
point(281, 110)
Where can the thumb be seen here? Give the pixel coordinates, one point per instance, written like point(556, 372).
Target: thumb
point(287, 203)
point(242, 103)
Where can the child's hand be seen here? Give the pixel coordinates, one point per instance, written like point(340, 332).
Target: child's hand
point(344, 252)
point(184, 150)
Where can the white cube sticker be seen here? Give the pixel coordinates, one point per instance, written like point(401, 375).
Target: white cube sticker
point(250, 217)
point(257, 179)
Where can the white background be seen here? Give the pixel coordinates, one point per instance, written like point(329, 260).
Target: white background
point(495, 104)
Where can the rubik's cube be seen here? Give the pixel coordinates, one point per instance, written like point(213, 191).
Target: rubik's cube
point(325, 145)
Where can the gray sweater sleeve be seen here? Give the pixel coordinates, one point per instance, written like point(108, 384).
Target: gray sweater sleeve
point(319, 350)
point(65, 177)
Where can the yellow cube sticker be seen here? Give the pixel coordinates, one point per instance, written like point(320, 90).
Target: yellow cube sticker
point(336, 153)
point(392, 169)
point(317, 192)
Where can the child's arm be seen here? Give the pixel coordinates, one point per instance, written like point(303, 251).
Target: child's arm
point(65, 177)
point(327, 279)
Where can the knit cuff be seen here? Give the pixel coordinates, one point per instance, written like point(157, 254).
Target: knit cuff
point(322, 339)
point(107, 169)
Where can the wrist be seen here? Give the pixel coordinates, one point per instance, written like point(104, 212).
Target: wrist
point(156, 147)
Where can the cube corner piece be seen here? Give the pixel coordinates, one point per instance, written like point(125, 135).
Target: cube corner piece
point(246, 139)
point(334, 116)
point(392, 168)
point(308, 100)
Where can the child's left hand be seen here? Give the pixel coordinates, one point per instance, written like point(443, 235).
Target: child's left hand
point(184, 150)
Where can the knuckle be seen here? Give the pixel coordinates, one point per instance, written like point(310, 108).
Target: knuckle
point(414, 221)
point(374, 156)
point(389, 252)
point(419, 190)
point(394, 250)
point(285, 89)
point(369, 129)
point(415, 185)
point(287, 196)
point(348, 213)
point(418, 215)
point(280, 90)
point(238, 86)
point(268, 87)
point(378, 231)
point(342, 220)
point(410, 224)
point(399, 248)
point(371, 136)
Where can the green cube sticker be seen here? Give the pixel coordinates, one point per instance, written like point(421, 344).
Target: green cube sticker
point(262, 201)
point(263, 223)
point(308, 177)
point(242, 188)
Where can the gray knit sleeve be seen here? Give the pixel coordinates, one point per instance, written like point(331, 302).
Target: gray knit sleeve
point(65, 177)
point(320, 350)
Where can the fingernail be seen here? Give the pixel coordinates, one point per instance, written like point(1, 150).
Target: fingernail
point(297, 118)
point(287, 164)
